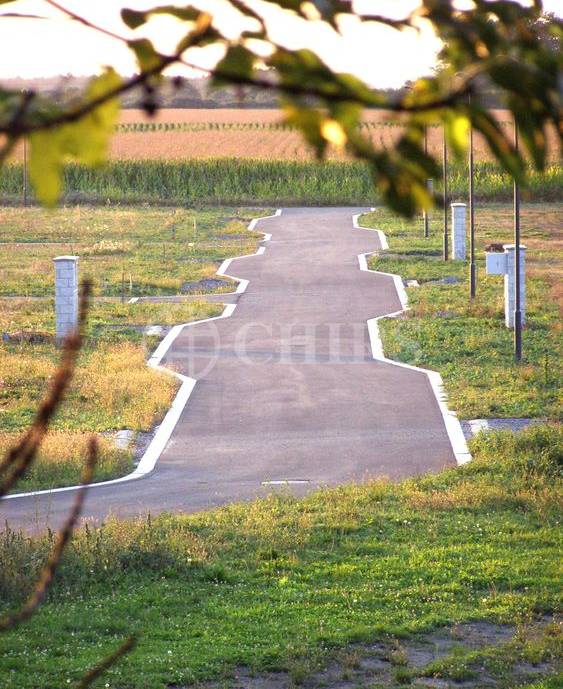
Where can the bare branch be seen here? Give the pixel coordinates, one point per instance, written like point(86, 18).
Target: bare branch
point(19, 15)
point(85, 22)
point(106, 663)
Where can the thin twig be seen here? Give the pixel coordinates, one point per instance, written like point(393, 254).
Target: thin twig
point(86, 22)
point(106, 663)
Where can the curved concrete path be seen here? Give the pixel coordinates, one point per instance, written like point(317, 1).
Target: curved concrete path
point(288, 389)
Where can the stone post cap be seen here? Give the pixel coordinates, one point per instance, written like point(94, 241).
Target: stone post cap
point(66, 258)
point(511, 247)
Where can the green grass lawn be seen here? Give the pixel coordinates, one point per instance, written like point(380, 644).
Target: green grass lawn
point(467, 341)
point(113, 388)
point(283, 583)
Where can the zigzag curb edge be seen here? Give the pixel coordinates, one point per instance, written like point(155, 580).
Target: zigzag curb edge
point(451, 422)
point(151, 455)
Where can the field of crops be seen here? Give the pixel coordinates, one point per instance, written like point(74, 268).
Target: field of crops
point(248, 156)
point(232, 181)
point(247, 133)
point(176, 134)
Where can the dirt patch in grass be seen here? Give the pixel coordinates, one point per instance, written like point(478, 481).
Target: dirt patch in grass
point(473, 655)
point(206, 285)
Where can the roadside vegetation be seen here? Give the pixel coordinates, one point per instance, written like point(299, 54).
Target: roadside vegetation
point(285, 584)
point(61, 457)
point(168, 251)
point(468, 342)
point(255, 182)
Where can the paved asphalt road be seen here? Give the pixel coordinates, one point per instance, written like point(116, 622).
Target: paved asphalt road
point(287, 387)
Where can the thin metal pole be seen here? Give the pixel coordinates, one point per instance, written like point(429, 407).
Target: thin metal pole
point(472, 270)
point(426, 220)
point(25, 171)
point(517, 304)
point(445, 185)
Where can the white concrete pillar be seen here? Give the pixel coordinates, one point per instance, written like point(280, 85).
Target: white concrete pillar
point(509, 279)
point(66, 295)
point(458, 231)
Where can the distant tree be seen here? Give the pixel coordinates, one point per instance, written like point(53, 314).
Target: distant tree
point(497, 44)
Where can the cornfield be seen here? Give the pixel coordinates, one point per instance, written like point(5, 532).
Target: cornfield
point(245, 181)
point(226, 156)
point(176, 134)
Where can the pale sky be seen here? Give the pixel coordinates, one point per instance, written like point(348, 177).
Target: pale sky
point(381, 56)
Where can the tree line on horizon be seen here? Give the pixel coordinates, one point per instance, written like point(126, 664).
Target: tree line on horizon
point(190, 93)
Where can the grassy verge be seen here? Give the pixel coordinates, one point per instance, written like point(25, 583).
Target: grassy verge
point(113, 388)
point(467, 341)
point(281, 583)
point(107, 319)
point(238, 181)
point(61, 457)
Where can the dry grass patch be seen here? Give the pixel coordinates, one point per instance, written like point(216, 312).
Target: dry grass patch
point(113, 388)
point(155, 250)
point(61, 456)
point(39, 314)
point(117, 380)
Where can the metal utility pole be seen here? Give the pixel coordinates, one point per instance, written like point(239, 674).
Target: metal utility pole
point(517, 295)
point(25, 171)
point(425, 216)
point(472, 269)
point(445, 185)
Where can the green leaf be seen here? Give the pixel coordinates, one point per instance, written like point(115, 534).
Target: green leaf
point(147, 57)
point(310, 122)
point(45, 165)
point(457, 132)
point(499, 144)
point(84, 141)
point(183, 13)
point(237, 62)
point(133, 18)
